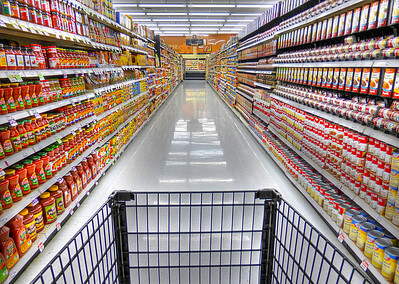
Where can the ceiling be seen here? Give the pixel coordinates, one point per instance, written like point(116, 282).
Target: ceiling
point(190, 17)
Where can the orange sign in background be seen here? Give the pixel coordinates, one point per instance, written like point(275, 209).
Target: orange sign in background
point(213, 43)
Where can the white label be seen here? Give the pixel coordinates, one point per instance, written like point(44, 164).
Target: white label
point(40, 246)
point(364, 265)
point(341, 238)
point(71, 212)
point(58, 226)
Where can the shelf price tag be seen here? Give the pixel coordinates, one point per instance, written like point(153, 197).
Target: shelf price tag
point(11, 78)
point(41, 77)
point(58, 226)
point(2, 23)
point(341, 238)
point(40, 246)
point(15, 25)
point(35, 201)
point(2, 172)
point(71, 212)
point(59, 179)
point(13, 122)
point(59, 141)
point(37, 115)
point(88, 192)
point(78, 204)
point(364, 265)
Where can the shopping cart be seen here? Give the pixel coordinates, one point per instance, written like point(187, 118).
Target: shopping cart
point(199, 237)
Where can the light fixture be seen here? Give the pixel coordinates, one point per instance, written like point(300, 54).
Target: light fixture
point(203, 29)
point(135, 13)
point(119, 5)
point(174, 25)
point(207, 25)
point(246, 14)
point(171, 31)
point(254, 6)
point(174, 29)
point(141, 20)
point(170, 20)
point(209, 14)
point(239, 20)
point(207, 20)
point(212, 5)
point(164, 5)
point(166, 14)
point(235, 25)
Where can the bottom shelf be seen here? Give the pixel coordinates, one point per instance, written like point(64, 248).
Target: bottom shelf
point(364, 263)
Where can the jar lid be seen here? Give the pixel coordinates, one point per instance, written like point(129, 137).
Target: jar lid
point(27, 162)
point(53, 188)
point(45, 195)
point(10, 172)
point(18, 166)
point(24, 212)
point(21, 122)
point(35, 158)
point(42, 154)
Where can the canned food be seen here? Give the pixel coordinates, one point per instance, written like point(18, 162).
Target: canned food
point(364, 228)
point(371, 237)
point(354, 229)
point(390, 210)
point(390, 262)
point(380, 246)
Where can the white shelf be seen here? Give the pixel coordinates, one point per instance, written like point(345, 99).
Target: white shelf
point(384, 222)
point(356, 63)
point(246, 46)
point(136, 67)
point(363, 129)
point(263, 86)
point(133, 49)
point(261, 115)
point(150, 40)
point(266, 72)
point(323, 15)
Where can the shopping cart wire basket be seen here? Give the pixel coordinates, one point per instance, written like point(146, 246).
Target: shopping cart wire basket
point(199, 237)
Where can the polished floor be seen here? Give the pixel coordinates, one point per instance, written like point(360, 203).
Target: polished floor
point(193, 143)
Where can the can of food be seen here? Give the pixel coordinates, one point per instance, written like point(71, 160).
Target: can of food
point(390, 263)
point(354, 229)
point(395, 217)
point(392, 194)
point(369, 246)
point(364, 228)
point(389, 210)
point(394, 178)
point(395, 160)
point(343, 207)
point(380, 246)
point(396, 278)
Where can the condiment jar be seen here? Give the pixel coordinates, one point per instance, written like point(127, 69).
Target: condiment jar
point(8, 248)
point(41, 176)
point(13, 185)
point(22, 134)
point(31, 170)
point(37, 212)
point(46, 164)
point(59, 199)
point(5, 195)
point(20, 234)
point(29, 223)
point(62, 185)
point(15, 139)
point(23, 178)
point(82, 175)
point(3, 269)
point(5, 139)
point(49, 209)
point(77, 178)
point(72, 186)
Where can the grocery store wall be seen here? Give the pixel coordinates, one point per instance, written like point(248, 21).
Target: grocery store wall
point(214, 43)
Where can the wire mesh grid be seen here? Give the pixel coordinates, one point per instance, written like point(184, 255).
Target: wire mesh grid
point(303, 255)
point(195, 237)
point(89, 257)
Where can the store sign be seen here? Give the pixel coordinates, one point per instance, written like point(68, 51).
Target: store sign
point(194, 41)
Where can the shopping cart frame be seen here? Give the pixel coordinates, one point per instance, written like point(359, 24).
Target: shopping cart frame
point(277, 264)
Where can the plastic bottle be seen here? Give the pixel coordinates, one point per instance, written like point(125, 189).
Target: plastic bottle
point(30, 132)
point(10, 57)
point(36, 130)
point(5, 195)
point(8, 97)
point(29, 223)
point(31, 171)
point(20, 234)
point(19, 58)
point(25, 95)
point(32, 94)
point(46, 164)
point(16, 93)
point(3, 269)
point(72, 186)
point(41, 176)
point(49, 209)
point(15, 139)
point(6, 141)
point(26, 56)
point(87, 170)
point(13, 185)
point(23, 135)
point(3, 104)
point(3, 59)
point(78, 179)
point(37, 212)
point(8, 248)
point(23, 178)
point(59, 199)
point(62, 185)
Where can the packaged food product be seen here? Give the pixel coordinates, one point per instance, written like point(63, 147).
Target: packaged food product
point(341, 26)
point(395, 87)
point(373, 15)
point(335, 26)
point(371, 237)
point(364, 17)
point(375, 81)
point(329, 28)
point(59, 200)
point(383, 13)
point(395, 12)
point(380, 245)
point(8, 248)
point(3, 269)
point(37, 212)
point(348, 22)
point(342, 77)
point(357, 80)
point(20, 235)
point(390, 263)
point(365, 82)
point(335, 78)
point(5, 195)
point(49, 208)
point(349, 79)
point(356, 20)
point(29, 223)
point(364, 228)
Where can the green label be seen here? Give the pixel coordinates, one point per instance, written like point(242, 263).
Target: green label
point(60, 205)
point(51, 212)
point(25, 185)
point(6, 198)
point(33, 179)
point(41, 77)
point(3, 270)
point(17, 192)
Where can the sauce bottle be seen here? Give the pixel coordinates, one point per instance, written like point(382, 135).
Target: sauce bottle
point(46, 164)
point(82, 175)
point(26, 58)
point(10, 57)
point(8, 248)
point(36, 130)
point(3, 59)
point(25, 95)
point(39, 93)
point(37, 212)
point(77, 179)
point(30, 132)
point(5, 138)
point(72, 186)
point(41, 176)
point(13, 185)
point(16, 93)
point(20, 58)
point(49, 209)
point(32, 94)
point(59, 199)
point(20, 234)
point(3, 269)
point(92, 165)
point(8, 96)
point(3, 104)
point(87, 170)
point(31, 171)
point(46, 125)
point(29, 223)
point(2, 154)
point(23, 178)
point(22, 134)
point(62, 185)
point(15, 139)
point(5, 195)
point(42, 131)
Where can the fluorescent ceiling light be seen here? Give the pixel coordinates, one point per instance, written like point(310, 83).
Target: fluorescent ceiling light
point(209, 14)
point(166, 14)
point(171, 34)
point(117, 5)
point(135, 13)
point(246, 14)
point(170, 31)
point(164, 5)
point(141, 20)
point(239, 20)
point(212, 5)
point(170, 20)
point(174, 29)
point(255, 6)
point(207, 25)
point(174, 25)
point(204, 29)
point(235, 25)
point(207, 20)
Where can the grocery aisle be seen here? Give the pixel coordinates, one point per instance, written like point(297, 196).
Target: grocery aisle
point(194, 142)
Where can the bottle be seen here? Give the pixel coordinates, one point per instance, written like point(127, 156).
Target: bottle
point(3, 269)
point(49, 209)
point(29, 223)
point(15, 139)
point(59, 199)
point(19, 58)
point(72, 186)
point(23, 135)
point(5, 195)
point(78, 179)
point(3, 104)
point(27, 58)
point(30, 132)
point(37, 212)
point(23, 178)
point(46, 164)
point(25, 95)
point(31, 172)
point(41, 176)
point(32, 94)
point(16, 93)
point(3, 59)
point(20, 234)
point(10, 57)
point(62, 185)
point(13, 185)
point(8, 248)
point(8, 96)
point(5, 139)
